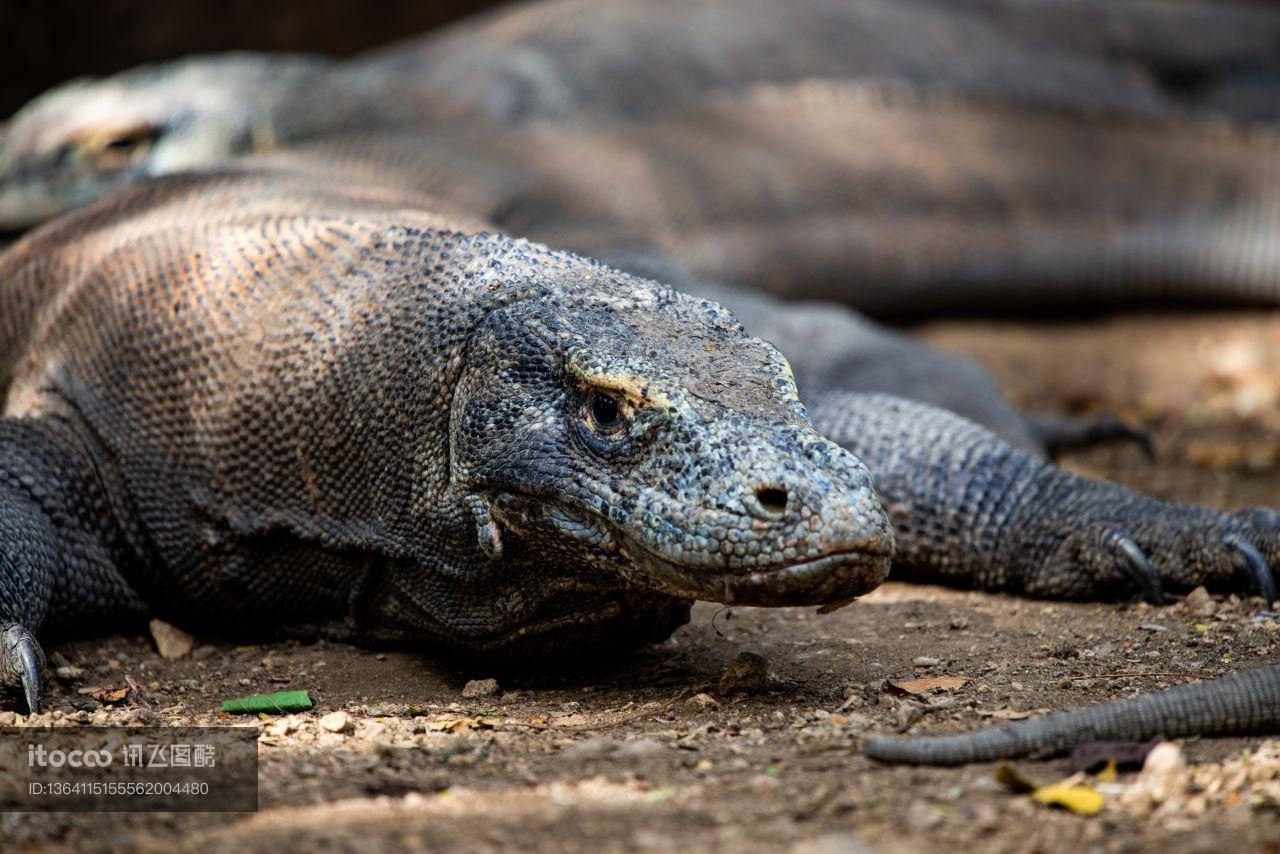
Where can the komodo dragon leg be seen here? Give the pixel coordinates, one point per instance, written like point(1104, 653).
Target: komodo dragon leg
point(969, 509)
point(56, 547)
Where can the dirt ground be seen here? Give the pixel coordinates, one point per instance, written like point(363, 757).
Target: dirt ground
point(654, 755)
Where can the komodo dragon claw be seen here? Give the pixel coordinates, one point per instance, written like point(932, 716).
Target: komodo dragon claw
point(1139, 569)
point(22, 664)
point(1252, 565)
point(1061, 433)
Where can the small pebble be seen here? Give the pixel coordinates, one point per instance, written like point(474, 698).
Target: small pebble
point(704, 702)
point(280, 727)
point(70, 671)
point(480, 688)
point(927, 661)
point(1200, 603)
point(747, 672)
point(337, 722)
point(171, 641)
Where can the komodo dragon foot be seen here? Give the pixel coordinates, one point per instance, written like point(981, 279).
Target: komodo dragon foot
point(1061, 433)
point(1126, 539)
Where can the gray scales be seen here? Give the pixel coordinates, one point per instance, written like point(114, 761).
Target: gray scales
point(847, 412)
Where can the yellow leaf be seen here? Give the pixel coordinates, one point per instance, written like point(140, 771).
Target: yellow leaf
point(1081, 800)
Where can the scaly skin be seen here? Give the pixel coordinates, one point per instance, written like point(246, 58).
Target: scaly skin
point(249, 402)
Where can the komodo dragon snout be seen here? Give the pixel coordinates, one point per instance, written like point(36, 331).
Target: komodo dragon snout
point(667, 447)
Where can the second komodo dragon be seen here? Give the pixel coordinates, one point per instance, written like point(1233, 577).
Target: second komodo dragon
point(241, 400)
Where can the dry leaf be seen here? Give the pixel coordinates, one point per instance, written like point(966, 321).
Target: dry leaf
point(110, 695)
point(932, 683)
point(454, 725)
point(1013, 781)
point(1007, 714)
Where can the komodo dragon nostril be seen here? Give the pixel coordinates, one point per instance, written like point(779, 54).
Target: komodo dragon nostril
point(772, 500)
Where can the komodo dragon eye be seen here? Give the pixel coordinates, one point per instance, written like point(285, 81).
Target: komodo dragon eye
point(606, 414)
point(121, 147)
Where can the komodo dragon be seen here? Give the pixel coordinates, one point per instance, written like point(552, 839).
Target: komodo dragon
point(561, 59)
point(242, 400)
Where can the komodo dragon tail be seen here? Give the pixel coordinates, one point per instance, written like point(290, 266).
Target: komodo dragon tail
point(1244, 703)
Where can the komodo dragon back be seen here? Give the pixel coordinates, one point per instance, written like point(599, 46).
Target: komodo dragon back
point(899, 202)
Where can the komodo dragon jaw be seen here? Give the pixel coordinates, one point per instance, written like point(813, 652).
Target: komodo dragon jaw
point(648, 436)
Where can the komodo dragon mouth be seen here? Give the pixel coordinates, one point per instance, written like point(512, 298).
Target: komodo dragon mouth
point(831, 578)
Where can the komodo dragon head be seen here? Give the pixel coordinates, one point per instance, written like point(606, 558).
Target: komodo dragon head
point(634, 429)
point(86, 138)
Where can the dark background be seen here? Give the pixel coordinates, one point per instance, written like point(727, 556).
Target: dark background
point(44, 42)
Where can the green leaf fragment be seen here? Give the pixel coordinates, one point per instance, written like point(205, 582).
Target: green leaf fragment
point(659, 795)
point(280, 703)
